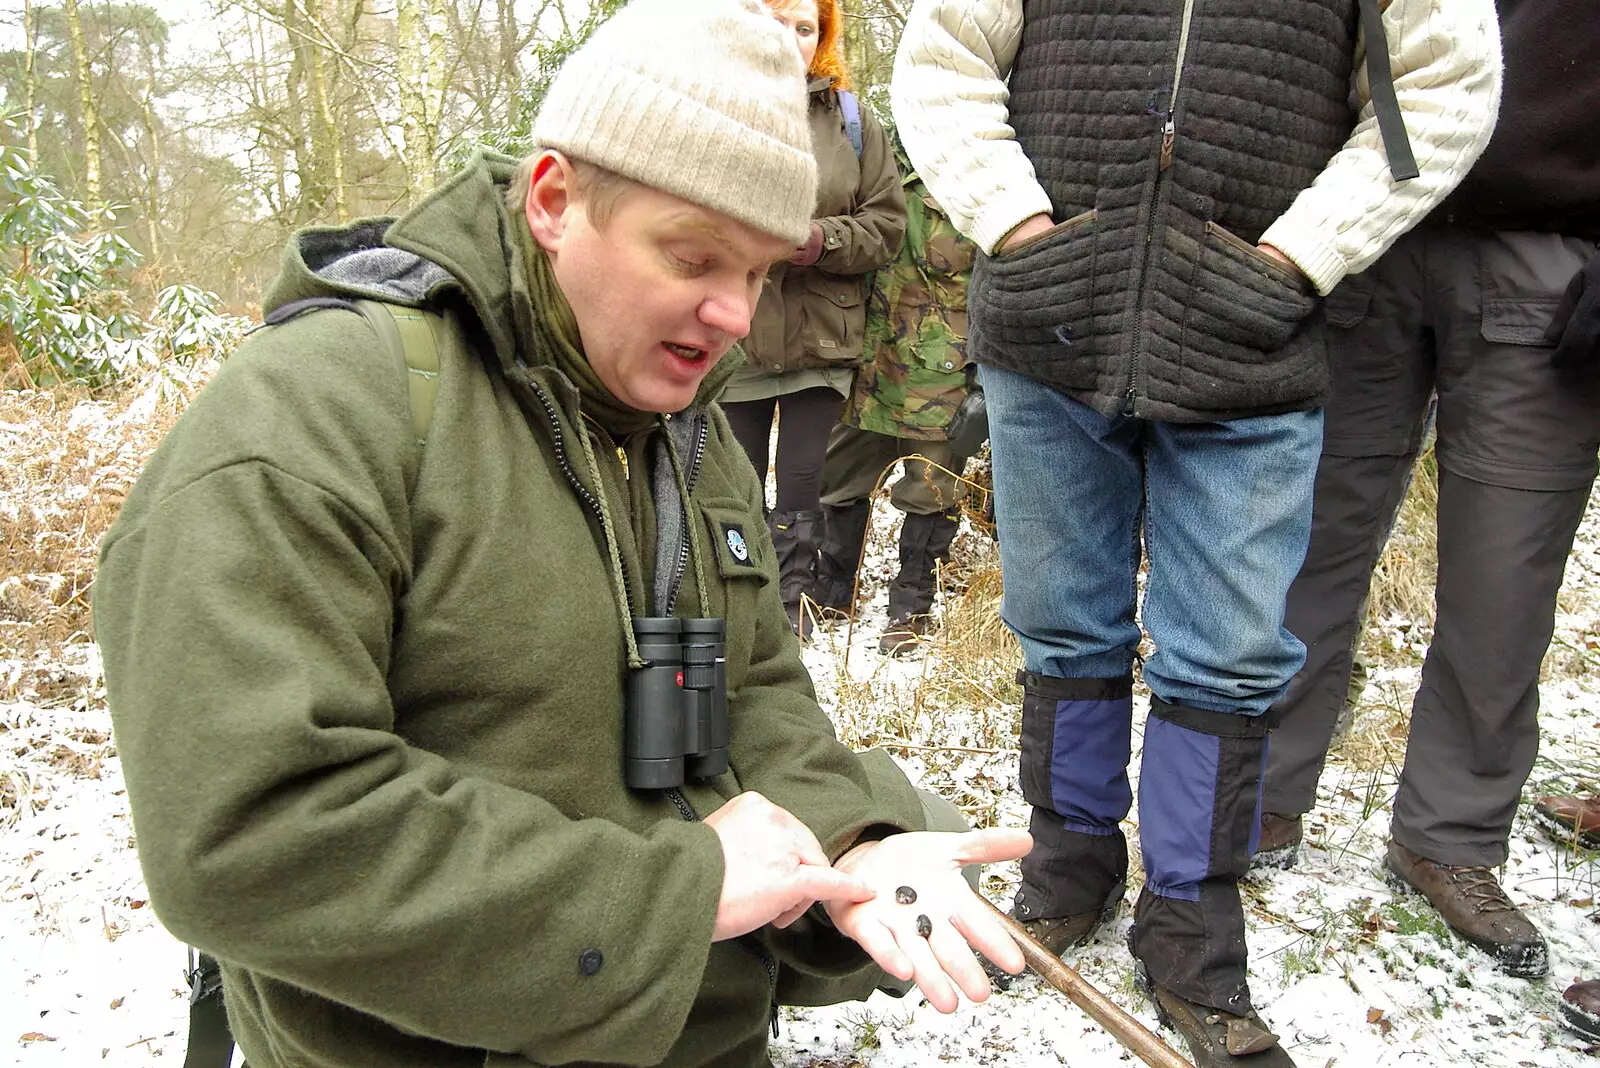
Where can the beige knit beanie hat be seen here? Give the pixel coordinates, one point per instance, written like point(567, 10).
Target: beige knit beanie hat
point(703, 99)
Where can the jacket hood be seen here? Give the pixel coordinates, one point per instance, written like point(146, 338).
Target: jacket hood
point(457, 245)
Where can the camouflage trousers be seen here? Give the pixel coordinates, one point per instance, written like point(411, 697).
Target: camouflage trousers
point(856, 459)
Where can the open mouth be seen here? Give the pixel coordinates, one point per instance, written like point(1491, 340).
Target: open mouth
point(687, 352)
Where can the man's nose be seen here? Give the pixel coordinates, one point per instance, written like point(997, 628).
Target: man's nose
point(729, 312)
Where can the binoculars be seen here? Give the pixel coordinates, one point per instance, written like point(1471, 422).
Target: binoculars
point(675, 727)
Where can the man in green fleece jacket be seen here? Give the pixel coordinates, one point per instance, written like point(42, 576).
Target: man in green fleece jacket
point(369, 692)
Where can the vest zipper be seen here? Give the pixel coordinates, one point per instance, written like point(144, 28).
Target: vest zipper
point(685, 809)
point(1169, 138)
point(1169, 131)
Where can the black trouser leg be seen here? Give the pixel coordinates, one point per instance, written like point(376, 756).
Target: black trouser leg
point(1356, 499)
point(1474, 723)
point(924, 542)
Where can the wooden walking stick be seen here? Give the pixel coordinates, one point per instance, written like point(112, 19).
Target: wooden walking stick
point(1135, 1036)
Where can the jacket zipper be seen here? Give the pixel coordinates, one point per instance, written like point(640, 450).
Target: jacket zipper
point(689, 478)
point(558, 440)
point(1169, 137)
point(768, 964)
point(679, 802)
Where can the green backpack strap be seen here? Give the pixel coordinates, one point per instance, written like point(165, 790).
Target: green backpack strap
point(410, 333)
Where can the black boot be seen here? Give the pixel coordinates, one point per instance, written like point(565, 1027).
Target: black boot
point(794, 538)
point(924, 542)
point(844, 532)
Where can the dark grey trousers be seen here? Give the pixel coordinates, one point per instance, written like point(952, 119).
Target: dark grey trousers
point(1460, 313)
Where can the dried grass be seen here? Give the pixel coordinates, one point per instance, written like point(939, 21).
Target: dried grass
point(67, 459)
point(1402, 583)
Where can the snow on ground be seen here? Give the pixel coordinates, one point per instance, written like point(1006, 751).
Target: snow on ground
point(1349, 973)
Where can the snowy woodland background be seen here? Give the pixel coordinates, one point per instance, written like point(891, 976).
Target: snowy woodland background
point(152, 160)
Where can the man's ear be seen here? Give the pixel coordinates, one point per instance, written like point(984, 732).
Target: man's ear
point(552, 195)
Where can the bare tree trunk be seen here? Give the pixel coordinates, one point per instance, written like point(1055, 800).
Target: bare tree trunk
point(313, 188)
point(152, 131)
point(30, 80)
point(330, 143)
point(91, 114)
point(409, 47)
point(434, 47)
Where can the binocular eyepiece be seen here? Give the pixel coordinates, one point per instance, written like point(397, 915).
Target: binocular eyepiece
point(675, 727)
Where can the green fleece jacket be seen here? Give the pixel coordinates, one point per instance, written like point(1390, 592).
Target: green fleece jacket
point(368, 695)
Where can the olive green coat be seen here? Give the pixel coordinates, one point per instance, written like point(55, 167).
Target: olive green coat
point(916, 332)
point(368, 697)
point(813, 317)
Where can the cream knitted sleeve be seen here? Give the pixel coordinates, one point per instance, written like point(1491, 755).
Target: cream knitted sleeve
point(1445, 55)
point(951, 107)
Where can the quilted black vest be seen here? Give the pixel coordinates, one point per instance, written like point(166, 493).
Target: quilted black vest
point(1149, 296)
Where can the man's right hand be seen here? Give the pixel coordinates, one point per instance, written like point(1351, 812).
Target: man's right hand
point(773, 868)
point(1030, 228)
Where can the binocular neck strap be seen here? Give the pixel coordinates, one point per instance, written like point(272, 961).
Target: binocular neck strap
point(608, 532)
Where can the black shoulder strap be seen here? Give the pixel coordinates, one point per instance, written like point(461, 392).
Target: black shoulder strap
point(1380, 80)
point(210, 1041)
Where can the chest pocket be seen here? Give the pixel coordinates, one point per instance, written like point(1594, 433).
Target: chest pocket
point(738, 548)
point(745, 565)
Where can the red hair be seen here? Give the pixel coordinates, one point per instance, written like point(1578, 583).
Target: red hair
point(829, 60)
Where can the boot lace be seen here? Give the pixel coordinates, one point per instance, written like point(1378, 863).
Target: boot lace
point(1479, 886)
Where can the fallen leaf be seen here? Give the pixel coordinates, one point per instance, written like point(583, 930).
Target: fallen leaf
point(36, 1036)
point(116, 1003)
point(136, 903)
point(1374, 1015)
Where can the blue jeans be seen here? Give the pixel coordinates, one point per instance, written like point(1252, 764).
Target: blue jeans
point(1226, 514)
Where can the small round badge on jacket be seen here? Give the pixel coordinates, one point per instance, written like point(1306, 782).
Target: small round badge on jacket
point(737, 546)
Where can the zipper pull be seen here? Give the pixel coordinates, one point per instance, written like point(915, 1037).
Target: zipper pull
point(1128, 406)
point(622, 458)
point(1169, 134)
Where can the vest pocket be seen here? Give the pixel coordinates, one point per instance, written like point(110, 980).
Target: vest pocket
point(1244, 299)
point(1066, 226)
point(1032, 308)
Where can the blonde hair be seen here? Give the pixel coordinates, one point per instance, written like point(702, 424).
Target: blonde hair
point(601, 190)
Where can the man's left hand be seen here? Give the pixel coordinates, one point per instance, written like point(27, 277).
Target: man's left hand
point(930, 863)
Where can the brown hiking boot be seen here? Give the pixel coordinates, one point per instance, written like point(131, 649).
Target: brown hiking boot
point(1570, 820)
point(1058, 934)
point(1580, 1008)
point(1470, 900)
point(902, 635)
point(1218, 1039)
point(1279, 846)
